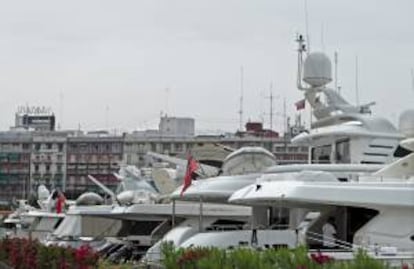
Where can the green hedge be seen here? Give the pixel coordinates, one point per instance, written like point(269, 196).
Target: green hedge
point(247, 258)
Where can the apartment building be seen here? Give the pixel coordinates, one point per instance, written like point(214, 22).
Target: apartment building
point(137, 145)
point(48, 160)
point(96, 155)
point(15, 149)
point(64, 159)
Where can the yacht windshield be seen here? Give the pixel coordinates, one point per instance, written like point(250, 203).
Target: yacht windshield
point(321, 154)
point(135, 185)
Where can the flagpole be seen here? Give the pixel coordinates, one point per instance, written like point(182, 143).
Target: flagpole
point(173, 213)
point(310, 122)
point(200, 220)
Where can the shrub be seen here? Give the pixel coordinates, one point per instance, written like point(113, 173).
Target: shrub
point(22, 253)
point(246, 258)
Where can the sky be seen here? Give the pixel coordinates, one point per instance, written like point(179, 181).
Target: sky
point(121, 64)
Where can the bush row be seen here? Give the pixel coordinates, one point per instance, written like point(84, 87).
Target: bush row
point(247, 258)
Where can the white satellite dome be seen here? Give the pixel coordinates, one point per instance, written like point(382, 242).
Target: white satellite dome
point(42, 192)
point(317, 69)
point(407, 123)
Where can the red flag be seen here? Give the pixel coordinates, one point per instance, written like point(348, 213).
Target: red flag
point(192, 166)
point(60, 203)
point(300, 104)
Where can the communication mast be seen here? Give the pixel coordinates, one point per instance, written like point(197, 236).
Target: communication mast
point(241, 99)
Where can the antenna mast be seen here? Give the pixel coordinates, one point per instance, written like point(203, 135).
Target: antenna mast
point(271, 106)
point(167, 95)
point(241, 99)
point(60, 126)
point(306, 25)
point(336, 71)
point(356, 81)
point(106, 116)
point(285, 122)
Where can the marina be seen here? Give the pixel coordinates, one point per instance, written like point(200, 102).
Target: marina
point(307, 177)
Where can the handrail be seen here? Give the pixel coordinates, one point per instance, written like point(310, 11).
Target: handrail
point(336, 242)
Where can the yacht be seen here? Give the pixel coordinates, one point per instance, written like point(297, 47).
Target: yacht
point(144, 224)
point(346, 143)
point(372, 212)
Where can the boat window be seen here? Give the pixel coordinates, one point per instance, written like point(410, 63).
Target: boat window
point(412, 237)
point(226, 225)
point(58, 223)
point(321, 154)
point(401, 152)
point(342, 152)
point(130, 227)
point(356, 218)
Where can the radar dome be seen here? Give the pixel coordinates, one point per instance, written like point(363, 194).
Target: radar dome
point(89, 198)
point(42, 192)
point(407, 123)
point(317, 69)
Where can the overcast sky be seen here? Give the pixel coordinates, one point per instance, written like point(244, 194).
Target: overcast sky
point(111, 62)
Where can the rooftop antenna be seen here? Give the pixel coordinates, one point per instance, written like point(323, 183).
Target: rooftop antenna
point(106, 116)
point(285, 121)
point(241, 98)
point(167, 95)
point(271, 105)
point(60, 126)
point(336, 71)
point(356, 81)
point(306, 26)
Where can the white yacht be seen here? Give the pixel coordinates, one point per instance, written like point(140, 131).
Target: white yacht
point(373, 212)
point(146, 223)
point(35, 222)
point(346, 143)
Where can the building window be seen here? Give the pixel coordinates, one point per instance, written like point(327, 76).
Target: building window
point(293, 149)
point(166, 147)
point(178, 147)
point(47, 168)
point(37, 146)
point(36, 168)
point(25, 146)
point(49, 145)
point(72, 158)
point(280, 149)
point(60, 147)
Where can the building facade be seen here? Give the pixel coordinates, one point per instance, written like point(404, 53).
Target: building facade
point(64, 159)
point(136, 146)
point(15, 151)
point(99, 156)
point(48, 160)
point(35, 118)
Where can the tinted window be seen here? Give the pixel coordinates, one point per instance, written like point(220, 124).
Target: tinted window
point(321, 154)
point(342, 152)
